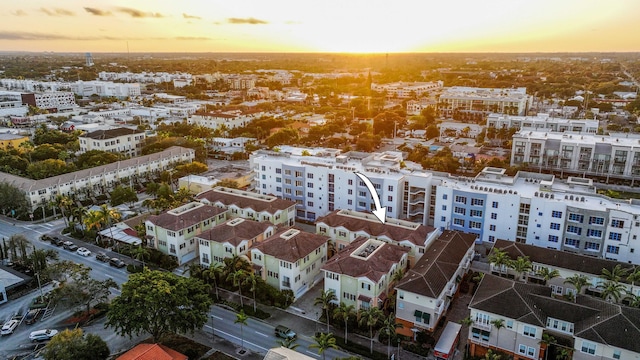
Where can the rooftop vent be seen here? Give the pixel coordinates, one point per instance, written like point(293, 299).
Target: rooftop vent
point(289, 234)
point(235, 222)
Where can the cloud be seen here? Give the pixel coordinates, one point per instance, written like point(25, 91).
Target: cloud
point(19, 13)
point(57, 12)
point(251, 21)
point(97, 12)
point(138, 13)
point(29, 36)
point(187, 16)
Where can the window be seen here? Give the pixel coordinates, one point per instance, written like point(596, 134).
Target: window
point(309, 176)
point(592, 246)
point(350, 182)
point(588, 347)
point(310, 203)
point(477, 202)
point(458, 222)
point(594, 233)
point(554, 226)
point(617, 224)
point(556, 214)
point(616, 354)
point(494, 205)
point(459, 210)
point(389, 198)
point(482, 319)
point(529, 331)
point(310, 185)
point(309, 194)
point(613, 249)
point(461, 199)
point(494, 216)
point(576, 217)
point(444, 207)
point(476, 213)
point(574, 229)
point(444, 196)
point(443, 218)
point(572, 242)
point(390, 187)
point(615, 236)
point(492, 238)
point(594, 220)
point(480, 334)
point(475, 224)
point(509, 324)
point(365, 286)
point(278, 171)
point(522, 349)
point(492, 228)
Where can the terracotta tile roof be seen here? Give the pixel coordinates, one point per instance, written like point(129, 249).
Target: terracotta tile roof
point(557, 258)
point(152, 352)
point(245, 200)
point(171, 221)
point(437, 266)
point(234, 231)
point(373, 267)
point(594, 319)
point(291, 244)
point(369, 224)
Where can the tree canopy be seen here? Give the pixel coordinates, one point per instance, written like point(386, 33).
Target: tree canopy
point(159, 303)
point(73, 344)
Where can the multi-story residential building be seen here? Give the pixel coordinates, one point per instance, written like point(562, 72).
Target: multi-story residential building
point(415, 107)
point(11, 104)
point(222, 121)
point(105, 89)
point(232, 238)
point(8, 141)
point(407, 90)
point(425, 292)
point(240, 82)
point(542, 122)
point(231, 145)
point(567, 265)
point(251, 205)
point(597, 156)
point(590, 327)
point(344, 226)
point(483, 101)
point(101, 179)
point(52, 101)
point(362, 273)
point(119, 140)
point(325, 182)
point(291, 259)
point(174, 232)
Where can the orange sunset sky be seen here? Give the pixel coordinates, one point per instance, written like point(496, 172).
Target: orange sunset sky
point(320, 26)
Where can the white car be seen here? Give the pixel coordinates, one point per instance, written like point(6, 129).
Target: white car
point(83, 251)
point(9, 326)
point(42, 335)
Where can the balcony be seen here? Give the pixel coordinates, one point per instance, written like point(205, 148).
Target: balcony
point(417, 199)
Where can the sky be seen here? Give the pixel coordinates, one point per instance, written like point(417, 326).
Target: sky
point(356, 26)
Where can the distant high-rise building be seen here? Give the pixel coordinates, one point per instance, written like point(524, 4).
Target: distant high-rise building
point(89, 59)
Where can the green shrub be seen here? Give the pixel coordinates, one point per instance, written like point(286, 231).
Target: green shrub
point(134, 269)
point(359, 349)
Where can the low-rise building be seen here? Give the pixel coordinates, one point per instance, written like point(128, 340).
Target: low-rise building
point(8, 141)
point(425, 292)
point(291, 260)
point(234, 237)
point(542, 122)
point(119, 140)
point(173, 232)
point(52, 101)
point(362, 273)
point(250, 205)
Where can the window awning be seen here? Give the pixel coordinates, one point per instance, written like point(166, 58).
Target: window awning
point(364, 298)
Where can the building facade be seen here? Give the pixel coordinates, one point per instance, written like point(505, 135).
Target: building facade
point(542, 122)
point(120, 140)
point(53, 101)
point(483, 101)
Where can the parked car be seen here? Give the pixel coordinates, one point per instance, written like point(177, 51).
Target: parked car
point(45, 237)
point(42, 335)
point(102, 257)
point(68, 245)
point(9, 326)
point(284, 332)
point(83, 251)
point(56, 241)
point(32, 316)
point(117, 263)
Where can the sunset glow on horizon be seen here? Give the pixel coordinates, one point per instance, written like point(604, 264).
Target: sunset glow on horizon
point(328, 26)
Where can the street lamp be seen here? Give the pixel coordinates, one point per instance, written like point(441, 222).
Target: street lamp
point(213, 331)
point(398, 348)
point(317, 319)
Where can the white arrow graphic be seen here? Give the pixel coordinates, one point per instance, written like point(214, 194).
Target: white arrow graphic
point(379, 212)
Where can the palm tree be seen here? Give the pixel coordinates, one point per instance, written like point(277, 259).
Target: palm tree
point(370, 317)
point(63, 203)
point(212, 273)
point(616, 274)
point(499, 258)
point(252, 280)
point(93, 220)
point(578, 281)
point(564, 354)
point(468, 321)
point(547, 274)
point(612, 290)
point(237, 277)
point(634, 300)
point(547, 340)
point(389, 326)
point(140, 254)
point(634, 276)
point(325, 299)
point(498, 324)
point(344, 312)
point(521, 265)
point(490, 355)
point(288, 343)
point(241, 318)
point(324, 341)
point(109, 214)
point(78, 214)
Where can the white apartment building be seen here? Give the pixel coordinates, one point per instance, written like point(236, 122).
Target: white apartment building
point(11, 104)
point(598, 156)
point(105, 88)
point(542, 122)
point(143, 77)
point(119, 140)
point(219, 120)
point(483, 101)
point(99, 180)
point(54, 100)
point(407, 90)
point(415, 107)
